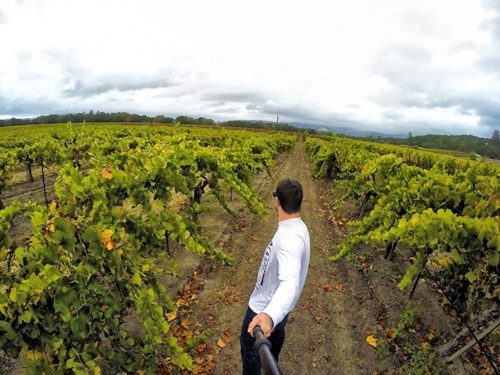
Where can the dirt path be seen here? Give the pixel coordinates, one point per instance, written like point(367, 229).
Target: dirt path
point(326, 331)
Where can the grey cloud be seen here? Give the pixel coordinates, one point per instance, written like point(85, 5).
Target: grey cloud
point(79, 82)
point(414, 82)
point(86, 88)
point(227, 110)
point(294, 111)
point(392, 115)
point(253, 107)
point(236, 96)
point(405, 66)
point(493, 25)
point(228, 102)
point(220, 98)
point(25, 107)
point(490, 61)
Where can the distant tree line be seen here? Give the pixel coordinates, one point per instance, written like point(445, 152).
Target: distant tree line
point(159, 119)
point(106, 117)
point(267, 125)
point(465, 143)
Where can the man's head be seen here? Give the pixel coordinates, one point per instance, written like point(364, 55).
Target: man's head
point(289, 193)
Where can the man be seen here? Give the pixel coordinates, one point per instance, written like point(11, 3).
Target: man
point(281, 276)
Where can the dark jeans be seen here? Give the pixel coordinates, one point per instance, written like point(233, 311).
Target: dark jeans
point(249, 356)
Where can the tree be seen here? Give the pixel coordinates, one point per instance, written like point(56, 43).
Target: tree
point(496, 137)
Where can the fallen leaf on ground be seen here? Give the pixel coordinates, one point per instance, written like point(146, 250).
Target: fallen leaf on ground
point(328, 288)
point(371, 341)
point(171, 316)
point(221, 343)
point(391, 333)
point(180, 302)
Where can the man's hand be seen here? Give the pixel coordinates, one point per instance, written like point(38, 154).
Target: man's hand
point(264, 321)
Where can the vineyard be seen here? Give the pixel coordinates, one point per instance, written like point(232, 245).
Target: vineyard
point(92, 256)
point(94, 218)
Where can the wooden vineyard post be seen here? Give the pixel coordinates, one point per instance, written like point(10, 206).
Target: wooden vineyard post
point(471, 343)
point(29, 172)
point(389, 251)
point(44, 187)
point(415, 285)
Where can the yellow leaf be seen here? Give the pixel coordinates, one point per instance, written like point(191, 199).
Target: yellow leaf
point(106, 235)
point(34, 355)
point(371, 341)
point(171, 316)
point(425, 346)
point(97, 371)
point(106, 174)
point(13, 295)
point(51, 228)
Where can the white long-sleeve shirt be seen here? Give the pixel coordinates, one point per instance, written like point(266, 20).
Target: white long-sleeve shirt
point(283, 271)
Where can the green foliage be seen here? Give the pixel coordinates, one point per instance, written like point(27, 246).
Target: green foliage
point(91, 268)
point(463, 143)
point(410, 316)
point(445, 209)
point(422, 362)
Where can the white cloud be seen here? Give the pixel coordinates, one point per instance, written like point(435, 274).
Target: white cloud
point(382, 65)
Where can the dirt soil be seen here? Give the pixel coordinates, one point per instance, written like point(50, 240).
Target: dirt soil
point(340, 304)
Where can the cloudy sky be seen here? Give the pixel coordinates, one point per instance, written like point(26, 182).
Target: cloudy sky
point(426, 66)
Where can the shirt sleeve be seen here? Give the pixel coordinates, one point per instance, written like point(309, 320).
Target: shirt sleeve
point(289, 256)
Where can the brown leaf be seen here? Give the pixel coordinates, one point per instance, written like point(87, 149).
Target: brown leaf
point(188, 335)
point(328, 288)
point(221, 343)
point(199, 361)
point(185, 323)
point(391, 333)
point(180, 302)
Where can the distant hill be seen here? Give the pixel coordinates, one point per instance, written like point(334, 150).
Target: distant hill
point(461, 143)
point(344, 130)
point(464, 143)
